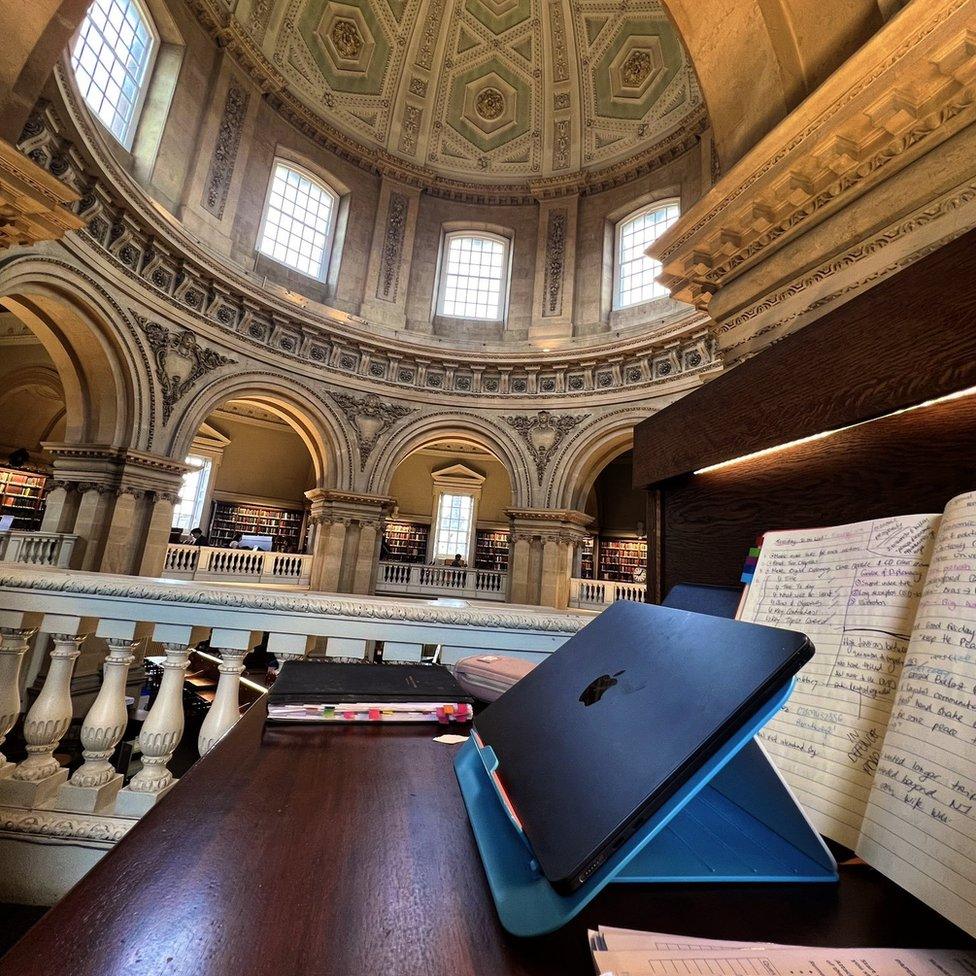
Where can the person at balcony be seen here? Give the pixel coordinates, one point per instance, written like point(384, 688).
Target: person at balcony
point(197, 538)
point(237, 542)
point(458, 562)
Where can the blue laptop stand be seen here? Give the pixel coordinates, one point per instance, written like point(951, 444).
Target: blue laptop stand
point(735, 820)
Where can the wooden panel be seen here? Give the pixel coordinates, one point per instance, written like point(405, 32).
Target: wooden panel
point(909, 339)
point(346, 850)
point(913, 462)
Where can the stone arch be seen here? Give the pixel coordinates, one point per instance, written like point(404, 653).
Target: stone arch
point(34, 391)
point(587, 455)
point(101, 370)
point(318, 427)
point(456, 426)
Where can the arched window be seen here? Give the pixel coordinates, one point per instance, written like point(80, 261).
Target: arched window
point(112, 58)
point(634, 272)
point(299, 220)
point(474, 276)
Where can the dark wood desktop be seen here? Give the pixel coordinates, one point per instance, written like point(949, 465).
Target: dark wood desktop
point(346, 850)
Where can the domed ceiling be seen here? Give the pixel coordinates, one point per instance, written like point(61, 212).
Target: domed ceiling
point(487, 91)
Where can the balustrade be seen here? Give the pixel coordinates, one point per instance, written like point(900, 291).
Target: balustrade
point(208, 563)
point(37, 548)
point(415, 579)
point(587, 594)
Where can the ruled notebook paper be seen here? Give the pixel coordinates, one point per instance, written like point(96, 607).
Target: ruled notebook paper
point(854, 591)
point(920, 824)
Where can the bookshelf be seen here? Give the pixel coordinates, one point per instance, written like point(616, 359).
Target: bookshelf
point(621, 558)
point(22, 496)
point(284, 525)
point(491, 549)
point(586, 559)
point(406, 542)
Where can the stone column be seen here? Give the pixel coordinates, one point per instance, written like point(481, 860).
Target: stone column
point(60, 506)
point(518, 568)
point(542, 554)
point(157, 533)
point(93, 520)
point(368, 556)
point(122, 537)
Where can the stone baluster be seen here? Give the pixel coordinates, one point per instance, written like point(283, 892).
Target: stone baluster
point(13, 647)
point(37, 779)
point(160, 735)
point(225, 710)
point(95, 783)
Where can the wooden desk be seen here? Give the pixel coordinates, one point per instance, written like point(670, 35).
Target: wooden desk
point(346, 850)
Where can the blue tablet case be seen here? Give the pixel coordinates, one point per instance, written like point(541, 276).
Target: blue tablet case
point(735, 820)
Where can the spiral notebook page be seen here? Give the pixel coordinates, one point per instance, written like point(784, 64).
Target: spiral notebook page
point(853, 590)
point(920, 824)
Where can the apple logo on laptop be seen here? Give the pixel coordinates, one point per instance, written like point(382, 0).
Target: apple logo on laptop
point(598, 687)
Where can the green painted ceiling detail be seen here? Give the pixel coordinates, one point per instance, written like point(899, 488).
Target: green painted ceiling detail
point(489, 90)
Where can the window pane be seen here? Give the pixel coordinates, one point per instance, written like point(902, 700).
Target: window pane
point(636, 272)
point(453, 526)
point(110, 58)
point(473, 278)
point(189, 509)
point(298, 223)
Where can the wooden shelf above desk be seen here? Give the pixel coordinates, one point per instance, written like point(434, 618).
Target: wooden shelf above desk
point(318, 851)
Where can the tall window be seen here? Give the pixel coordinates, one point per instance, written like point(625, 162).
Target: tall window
point(112, 57)
point(299, 221)
point(189, 509)
point(454, 524)
point(474, 276)
point(635, 272)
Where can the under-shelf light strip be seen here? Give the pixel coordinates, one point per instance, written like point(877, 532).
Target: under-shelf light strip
point(244, 681)
point(969, 391)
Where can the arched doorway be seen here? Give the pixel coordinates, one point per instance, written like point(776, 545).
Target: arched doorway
point(449, 532)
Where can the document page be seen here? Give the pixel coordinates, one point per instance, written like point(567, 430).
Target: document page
point(853, 590)
point(920, 824)
point(787, 962)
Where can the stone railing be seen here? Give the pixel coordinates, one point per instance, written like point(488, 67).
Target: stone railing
point(587, 594)
point(414, 579)
point(37, 548)
point(211, 564)
point(71, 822)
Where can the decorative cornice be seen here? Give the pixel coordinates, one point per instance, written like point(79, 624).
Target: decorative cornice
point(313, 604)
point(160, 258)
point(889, 104)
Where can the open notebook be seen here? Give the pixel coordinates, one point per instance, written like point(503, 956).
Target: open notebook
point(878, 741)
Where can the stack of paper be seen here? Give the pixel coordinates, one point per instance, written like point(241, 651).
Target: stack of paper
point(624, 952)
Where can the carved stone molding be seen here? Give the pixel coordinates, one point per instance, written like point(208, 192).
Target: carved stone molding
point(891, 106)
point(543, 433)
point(555, 260)
point(93, 830)
point(33, 203)
point(147, 250)
point(322, 604)
point(225, 149)
point(180, 361)
point(370, 417)
point(392, 256)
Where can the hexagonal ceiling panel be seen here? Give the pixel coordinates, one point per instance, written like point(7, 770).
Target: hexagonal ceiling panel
point(486, 91)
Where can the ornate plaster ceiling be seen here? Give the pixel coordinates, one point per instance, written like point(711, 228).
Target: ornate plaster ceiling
point(486, 91)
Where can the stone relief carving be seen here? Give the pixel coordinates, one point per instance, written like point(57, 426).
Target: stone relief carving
point(543, 433)
point(555, 260)
point(561, 143)
point(560, 62)
point(180, 361)
point(347, 39)
point(370, 417)
point(490, 103)
point(225, 149)
point(396, 228)
point(411, 128)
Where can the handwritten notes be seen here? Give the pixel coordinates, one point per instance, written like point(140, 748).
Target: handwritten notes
point(920, 822)
point(854, 591)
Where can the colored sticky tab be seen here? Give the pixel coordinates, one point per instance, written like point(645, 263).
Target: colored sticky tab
point(374, 714)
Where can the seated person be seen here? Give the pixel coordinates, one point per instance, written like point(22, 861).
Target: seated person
point(197, 538)
point(458, 562)
point(237, 541)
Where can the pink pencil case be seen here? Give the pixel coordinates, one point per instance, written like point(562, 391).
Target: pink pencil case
point(488, 676)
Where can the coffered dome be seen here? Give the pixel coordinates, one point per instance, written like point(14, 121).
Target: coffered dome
point(486, 91)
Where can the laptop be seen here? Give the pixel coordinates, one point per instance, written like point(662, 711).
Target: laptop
point(603, 732)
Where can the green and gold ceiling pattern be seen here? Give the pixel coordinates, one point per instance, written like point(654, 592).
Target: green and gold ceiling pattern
point(487, 90)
